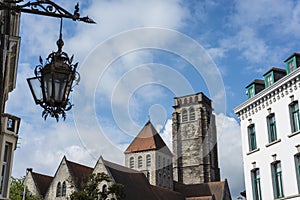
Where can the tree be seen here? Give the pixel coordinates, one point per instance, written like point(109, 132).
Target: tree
point(17, 188)
point(90, 190)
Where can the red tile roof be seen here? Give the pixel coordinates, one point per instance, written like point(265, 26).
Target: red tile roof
point(147, 139)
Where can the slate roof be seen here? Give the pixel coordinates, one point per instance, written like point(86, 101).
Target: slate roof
point(137, 186)
point(42, 182)
point(79, 172)
point(204, 190)
point(147, 139)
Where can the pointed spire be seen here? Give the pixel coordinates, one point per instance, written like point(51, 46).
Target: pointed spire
point(147, 139)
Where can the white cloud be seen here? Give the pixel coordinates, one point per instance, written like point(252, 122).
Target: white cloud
point(230, 152)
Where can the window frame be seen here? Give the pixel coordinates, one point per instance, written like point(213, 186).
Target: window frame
point(252, 137)
point(297, 168)
point(277, 179)
point(290, 68)
point(192, 113)
point(140, 162)
point(272, 129)
point(184, 117)
point(251, 91)
point(148, 160)
point(256, 186)
point(5, 169)
point(58, 189)
point(294, 116)
point(131, 162)
point(64, 189)
point(269, 79)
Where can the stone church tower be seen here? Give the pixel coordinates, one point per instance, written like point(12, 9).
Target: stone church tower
point(194, 140)
point(149, 154)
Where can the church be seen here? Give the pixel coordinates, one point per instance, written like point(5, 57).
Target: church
point(152, 171)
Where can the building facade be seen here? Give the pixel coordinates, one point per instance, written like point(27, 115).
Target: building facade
point(270, 128)
point(194, 140)
point(148, 153)
point(9, 126)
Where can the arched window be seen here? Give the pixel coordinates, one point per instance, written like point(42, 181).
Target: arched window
point(185, 101)
point(131, 162)
point(148, 160)
point(140, 162)
point(104, 188)
point(64, 189)
point(184, 116)
point(191, 99)
point(192, 113)
point(164, 162)
point(58, 189)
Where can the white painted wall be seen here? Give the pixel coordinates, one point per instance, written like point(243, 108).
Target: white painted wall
point(285, 149)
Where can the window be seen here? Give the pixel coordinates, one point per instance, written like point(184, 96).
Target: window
point(251, 91)
point(255, 176)
point(131, 162)
point(277, 179)
point(291, 66)
point(192, 113)
point(294, 115)
point(11, 124)
point(148, 160)
point(271, 128)
point(184, 116)
point(269, 79)
point(252, 137)
point(140, 162)
point(58, 190)
point(104, 188)
point(297, 166)
point(5, 168)
point(64, 189)
point(164, 162)
point(159, 161)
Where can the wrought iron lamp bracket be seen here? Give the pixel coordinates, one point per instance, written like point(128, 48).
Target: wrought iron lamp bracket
point(44, 7)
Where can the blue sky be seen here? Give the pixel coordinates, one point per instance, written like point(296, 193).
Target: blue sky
point(236, 42)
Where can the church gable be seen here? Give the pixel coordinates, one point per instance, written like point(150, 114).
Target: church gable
point(37, 184)
point(67, 179)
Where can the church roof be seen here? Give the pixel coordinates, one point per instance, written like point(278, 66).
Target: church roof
point(137, 186)
point(147, 139)
point(42, 182)
point(79, 172)
point(211, 190)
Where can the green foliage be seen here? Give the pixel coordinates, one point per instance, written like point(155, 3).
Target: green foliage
point(90, 190)
point(17, 188)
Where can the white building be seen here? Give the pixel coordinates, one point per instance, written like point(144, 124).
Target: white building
point(270, 128)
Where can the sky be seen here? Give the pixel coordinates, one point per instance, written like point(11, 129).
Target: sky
point(135, 60)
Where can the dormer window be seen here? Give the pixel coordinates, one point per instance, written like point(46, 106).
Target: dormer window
point(251, 92)
point(255, 87)
point(291, 66)
point(269, 80)
point(292, 62)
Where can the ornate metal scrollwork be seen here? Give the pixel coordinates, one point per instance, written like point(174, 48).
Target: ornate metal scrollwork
point(44, 7)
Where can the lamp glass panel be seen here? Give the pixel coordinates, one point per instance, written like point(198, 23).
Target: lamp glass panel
point(35, 88)
point(47, 80)
point(60, 83)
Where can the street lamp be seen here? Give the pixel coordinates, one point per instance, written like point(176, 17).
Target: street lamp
point(53, 82)
point(55, 78)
